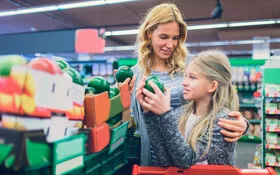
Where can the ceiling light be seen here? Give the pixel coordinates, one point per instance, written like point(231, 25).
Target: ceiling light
point(251, 23)
point(223, 43)
point(36, 10)
point(8, 13)
point(121, 32)
point(207, 26)
point(203, 26)
point(54, 7)
point(79, 5)
point(119, 48)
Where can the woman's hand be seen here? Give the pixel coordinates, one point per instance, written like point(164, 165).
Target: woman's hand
point(139, 93)
point(157, 102)
point(233, 129)
point(130, 84)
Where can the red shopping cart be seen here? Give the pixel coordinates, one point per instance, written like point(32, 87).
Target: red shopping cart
point(201, 170)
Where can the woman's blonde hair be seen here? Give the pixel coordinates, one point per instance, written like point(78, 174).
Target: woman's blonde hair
point(162, 14)
point(214, 65)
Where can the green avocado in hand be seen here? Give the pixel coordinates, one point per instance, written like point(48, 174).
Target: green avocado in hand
point(156, 81)
point(123, 73)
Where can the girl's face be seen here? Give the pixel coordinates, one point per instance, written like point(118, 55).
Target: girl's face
point(165, 39)
point(196, 85)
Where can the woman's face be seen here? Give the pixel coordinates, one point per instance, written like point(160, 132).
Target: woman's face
point(165, 39)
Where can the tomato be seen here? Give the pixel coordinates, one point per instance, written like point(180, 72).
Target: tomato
point(100, 84)
point(75, 75)
point(123, 73)
point(114, 91)
point(156, 81)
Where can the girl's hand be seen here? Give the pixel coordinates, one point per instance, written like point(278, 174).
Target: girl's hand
point(157, 102)
point(234, 128)
point(130, 84)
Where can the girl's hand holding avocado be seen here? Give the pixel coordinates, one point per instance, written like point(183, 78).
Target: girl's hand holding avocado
point(157, 102)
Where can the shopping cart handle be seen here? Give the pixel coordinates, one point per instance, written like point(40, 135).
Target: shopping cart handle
point(200, 170)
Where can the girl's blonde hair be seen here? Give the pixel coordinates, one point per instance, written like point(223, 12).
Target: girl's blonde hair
point(214, 65)
point(161, 14)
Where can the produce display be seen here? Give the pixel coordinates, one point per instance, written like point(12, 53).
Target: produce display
point(8, 61)
point(62, 64)
point(51, 122)
point(114, 91)
point(89, 90)
point(75, 75)
point(100, 84)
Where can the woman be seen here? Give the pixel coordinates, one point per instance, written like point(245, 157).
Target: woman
point(162, 53)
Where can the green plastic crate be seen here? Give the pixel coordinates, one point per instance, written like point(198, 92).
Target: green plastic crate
point(118, 136)
point(79, 171)
point(68, 154)
point(134, 145)
point(43, 170)
point(93, 162)
point(103, 163)
point(114, 120)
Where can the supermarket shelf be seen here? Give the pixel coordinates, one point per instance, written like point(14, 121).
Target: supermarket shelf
point(255, 121)
point(247, 105)
point(276, 164)
point(273, 129)
point(272, 146)
point(250, 138)
point(271, 96)
point(272, 112)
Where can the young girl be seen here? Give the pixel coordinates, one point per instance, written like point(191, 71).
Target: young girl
point(195, 136)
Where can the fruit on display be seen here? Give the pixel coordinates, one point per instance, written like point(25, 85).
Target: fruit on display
point(123, 73)
point(8, 61)
point(9, 85)
point(100, 84)
point(24, 81)
point(62, 64)
point(6, 102)
point(46, 65)
point(156, 81)
point(114, 91)
point(75, 75)
point(28, 104)
point(89, 90)
point(29, 85)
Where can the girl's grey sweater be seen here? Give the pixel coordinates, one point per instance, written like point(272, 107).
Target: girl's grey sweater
point(170, 148)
